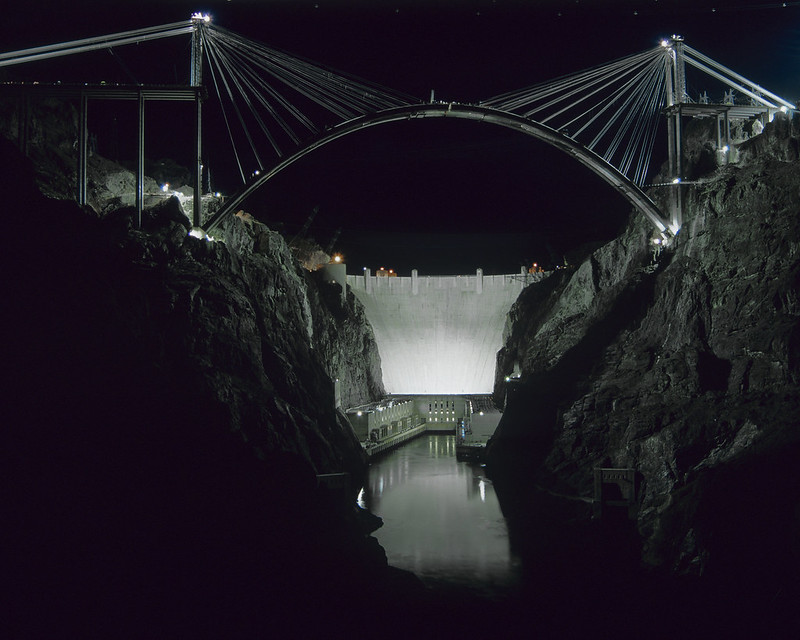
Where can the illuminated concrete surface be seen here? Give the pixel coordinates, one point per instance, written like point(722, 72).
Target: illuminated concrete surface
point(438, 334)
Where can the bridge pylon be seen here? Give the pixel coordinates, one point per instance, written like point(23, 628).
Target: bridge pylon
point(199, 21)
point(676, 96)
point(763, 106)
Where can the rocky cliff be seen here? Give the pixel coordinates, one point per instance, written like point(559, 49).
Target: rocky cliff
point(47, 129)
point(682, 364)
point(169, 401)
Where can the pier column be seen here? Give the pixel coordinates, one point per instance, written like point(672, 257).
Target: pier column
point(479, 281)
point(140, 164)
point(677, 213)
point(23, 123)
point(368, 280)
point(414, 282)
point(197, 202)
point(83, 146)
point(727, 127)
point(196, 71)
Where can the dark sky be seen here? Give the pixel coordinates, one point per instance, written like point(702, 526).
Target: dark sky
point(443, 197)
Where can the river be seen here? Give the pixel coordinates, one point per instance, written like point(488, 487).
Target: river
point(442, 519)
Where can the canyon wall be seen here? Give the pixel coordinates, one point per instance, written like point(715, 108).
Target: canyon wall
point(169, 402)
point(682, 363)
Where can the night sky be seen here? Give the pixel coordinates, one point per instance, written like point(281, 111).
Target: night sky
point(444, 197)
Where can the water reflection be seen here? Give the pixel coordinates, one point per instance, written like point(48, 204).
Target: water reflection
point(441, 518)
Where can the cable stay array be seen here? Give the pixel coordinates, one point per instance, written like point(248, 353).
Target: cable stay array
point(281, 105)
point(96, 43)
point(612, 109)
point(281, 98)
point(756, 94)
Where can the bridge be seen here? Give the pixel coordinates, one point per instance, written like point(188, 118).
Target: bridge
point(278, 105)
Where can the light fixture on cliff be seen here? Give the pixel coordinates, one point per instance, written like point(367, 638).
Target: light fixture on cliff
point(725, 148)
point(198, 233)
point(676, 181)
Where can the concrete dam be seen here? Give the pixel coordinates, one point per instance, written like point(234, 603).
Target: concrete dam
point(437, 334)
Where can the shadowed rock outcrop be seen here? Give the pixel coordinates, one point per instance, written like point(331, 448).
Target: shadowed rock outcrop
point(683, 365)
point(169, 402)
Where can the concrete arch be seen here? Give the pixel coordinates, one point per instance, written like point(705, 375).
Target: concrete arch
point(595, 163)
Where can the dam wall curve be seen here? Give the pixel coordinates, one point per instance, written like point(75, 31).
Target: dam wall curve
point(438, 334)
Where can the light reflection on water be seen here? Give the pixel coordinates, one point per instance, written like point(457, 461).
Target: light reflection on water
point(441, 518)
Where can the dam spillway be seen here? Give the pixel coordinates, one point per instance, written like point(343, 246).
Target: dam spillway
point(438, 334)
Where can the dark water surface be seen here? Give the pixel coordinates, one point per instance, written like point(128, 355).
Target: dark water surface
point(442, 519)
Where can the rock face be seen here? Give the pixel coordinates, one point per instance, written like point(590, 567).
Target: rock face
point(48, 130)
point(169, 401)
point(344, 339)
point(683, 365)
point(236, 326)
